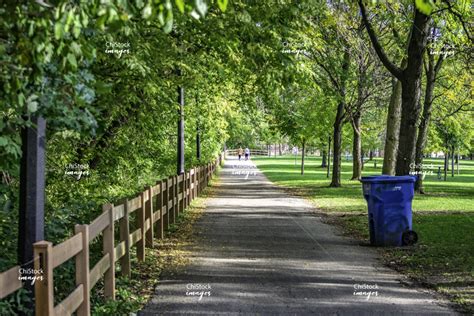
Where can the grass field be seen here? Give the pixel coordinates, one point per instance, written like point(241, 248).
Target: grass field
point(455, 194)
point(443, 259)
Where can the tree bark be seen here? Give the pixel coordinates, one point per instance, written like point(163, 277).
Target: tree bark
point(356, 147)
point(452, 162)
point(411, 90)
point(393, 129)
point(329, 158)
point(324, 159)
point(337, 143)
point(302, 156)
point(431, 73)
point(338, 124)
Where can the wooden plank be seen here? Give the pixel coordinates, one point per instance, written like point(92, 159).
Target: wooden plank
point(44, 290)
point(119, 250)
point(147, 224)
point(98, 270)
point(140, 223)
point(119, 210)
point(135, 236)
point(10, 281)
point(166, 198)
point(156, 216)
point(155, 190)
point(146, 196)
point(98, 225)
point(108, 248)
point(159, 202)
point(67, 249)
point(125, 237)
point(82, 271)
point(71, 303)
point(134, 204)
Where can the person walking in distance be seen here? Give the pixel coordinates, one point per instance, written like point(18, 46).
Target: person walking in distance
point(240, 151)
point(247, 153)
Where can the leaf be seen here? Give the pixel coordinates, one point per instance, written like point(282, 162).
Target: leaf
point(201, 7)
point(146, 12)
point(32, 107)
point(424, 6)
point(58, 30)
point(180, 5)
point(72, 60)
point(222, 4)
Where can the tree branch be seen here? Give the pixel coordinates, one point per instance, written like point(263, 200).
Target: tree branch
point(396, 71)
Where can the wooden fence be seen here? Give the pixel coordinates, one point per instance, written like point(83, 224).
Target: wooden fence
point(253, 152)
point(155, 209)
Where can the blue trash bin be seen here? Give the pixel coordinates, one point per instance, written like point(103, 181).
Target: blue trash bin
point(390, 215)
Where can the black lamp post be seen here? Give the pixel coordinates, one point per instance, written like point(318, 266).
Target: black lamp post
point(180, 160)
point(32, 185)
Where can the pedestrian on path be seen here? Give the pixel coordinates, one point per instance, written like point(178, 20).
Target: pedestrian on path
point(247, 153)
point(240, 151)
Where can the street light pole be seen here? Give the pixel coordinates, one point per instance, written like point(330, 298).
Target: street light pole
point(32, 185)
point(180, 160)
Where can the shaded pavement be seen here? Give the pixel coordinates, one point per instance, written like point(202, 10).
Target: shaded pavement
point(262, 251)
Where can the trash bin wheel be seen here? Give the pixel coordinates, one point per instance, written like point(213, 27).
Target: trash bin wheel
point(409, 238)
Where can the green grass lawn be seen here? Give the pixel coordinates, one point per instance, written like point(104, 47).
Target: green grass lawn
point(455, 194)
point(443, 218)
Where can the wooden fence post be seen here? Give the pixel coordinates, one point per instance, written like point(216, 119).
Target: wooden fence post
point(141, 225)
point(183, 188)
point(44, 289)
point(166, 199)
point(82, 270)
point(149, 218)
point(108, 246)
point(176, 194)
point(187, 188)
point(196, 180)
point(171, 196)
point(159, 202)
point(125, 238)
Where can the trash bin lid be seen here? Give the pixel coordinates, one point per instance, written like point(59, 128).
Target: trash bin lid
point(388, 179)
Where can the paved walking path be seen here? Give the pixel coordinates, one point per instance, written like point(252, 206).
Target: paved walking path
point(261, 251)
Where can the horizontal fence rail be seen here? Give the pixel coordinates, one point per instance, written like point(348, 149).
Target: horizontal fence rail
point(253, 152)
point(154, 209)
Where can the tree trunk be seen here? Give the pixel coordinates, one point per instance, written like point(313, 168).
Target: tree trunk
point(324, 159)
point(329, 158)
point(452, 162)
point(338, 124)
point(279, 149)
point(425, 119)
point(446, 155)
point(337, 143)
point(411, 90)
point(302, 156)
point(356, 147)
point(393, 129)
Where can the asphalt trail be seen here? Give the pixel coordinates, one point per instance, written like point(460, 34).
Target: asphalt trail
point(260, 251)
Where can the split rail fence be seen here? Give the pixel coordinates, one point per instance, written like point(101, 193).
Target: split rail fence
point(154, 209)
